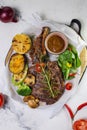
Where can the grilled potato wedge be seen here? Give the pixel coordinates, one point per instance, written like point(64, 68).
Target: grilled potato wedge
point(16, 63)
point(21, 43)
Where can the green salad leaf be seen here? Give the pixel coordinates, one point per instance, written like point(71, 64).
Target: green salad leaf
point(73, 49)
point(69, 62)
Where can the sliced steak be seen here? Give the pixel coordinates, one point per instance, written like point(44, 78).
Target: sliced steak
point(40, 89)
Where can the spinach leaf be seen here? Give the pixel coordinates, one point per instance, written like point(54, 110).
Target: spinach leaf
point(73, 49)
point(65, 56)
point(69, 61)
point(66, 73)
point(78, 62)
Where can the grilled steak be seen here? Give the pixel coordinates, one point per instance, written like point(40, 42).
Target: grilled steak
point(40, 89)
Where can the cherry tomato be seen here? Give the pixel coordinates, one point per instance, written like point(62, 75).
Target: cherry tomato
point(72, 74)
point(1, 100)
point(68, 86)
point(80, 125)
point(38, 67)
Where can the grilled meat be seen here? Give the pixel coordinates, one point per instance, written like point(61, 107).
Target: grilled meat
point(40, 88)
point(38, 48)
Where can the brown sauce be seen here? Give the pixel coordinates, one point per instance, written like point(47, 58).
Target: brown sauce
point(55, 44)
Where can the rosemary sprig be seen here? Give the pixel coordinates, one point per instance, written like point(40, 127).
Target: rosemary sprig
point(48, 82)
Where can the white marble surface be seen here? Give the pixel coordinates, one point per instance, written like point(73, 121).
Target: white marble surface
point(12, 116)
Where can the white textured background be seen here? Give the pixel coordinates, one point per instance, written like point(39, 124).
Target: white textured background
point(62, 11)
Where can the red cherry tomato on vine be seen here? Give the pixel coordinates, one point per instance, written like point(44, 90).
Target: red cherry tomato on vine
point(80, 125)
point(38, 67)
point(1, 100)
point(68, 86)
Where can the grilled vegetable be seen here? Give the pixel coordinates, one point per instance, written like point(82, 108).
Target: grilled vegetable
point(18, 78)
point(21, 43)
point(33, 103)
point(27, 98)
point(29, 80)
point(8, 55)
point(16, 63)
point(23, 90)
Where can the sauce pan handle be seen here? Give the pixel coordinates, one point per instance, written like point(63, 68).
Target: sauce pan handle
point(78, 23)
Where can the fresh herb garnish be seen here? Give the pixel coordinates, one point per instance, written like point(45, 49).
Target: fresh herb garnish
point(48, 81)
point(44, 58)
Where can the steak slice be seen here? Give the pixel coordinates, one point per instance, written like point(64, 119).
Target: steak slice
point(40, 89)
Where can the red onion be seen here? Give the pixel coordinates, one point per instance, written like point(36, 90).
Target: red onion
point(7, 14)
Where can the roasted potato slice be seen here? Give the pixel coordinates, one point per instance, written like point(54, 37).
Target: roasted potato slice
point(16, 63)
point(21, 43)
point(29, 80)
